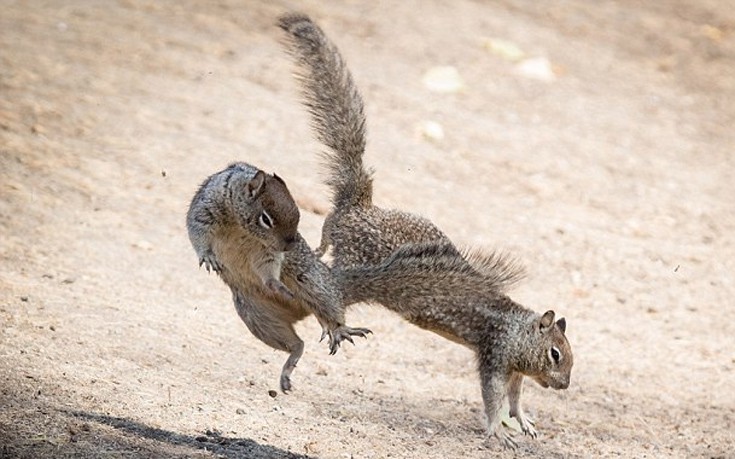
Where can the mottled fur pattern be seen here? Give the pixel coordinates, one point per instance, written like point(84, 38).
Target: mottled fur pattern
point(406, 263)
point(243, 224)
point(381, 232)
point(462, 299)
point(436, 264)
point(338, 119)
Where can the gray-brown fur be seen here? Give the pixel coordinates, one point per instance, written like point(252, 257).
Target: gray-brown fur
point(462, 299)
point(406, 263)
point(243, 224)
point(337, 116)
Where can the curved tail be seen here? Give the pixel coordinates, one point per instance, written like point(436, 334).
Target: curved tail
point(335, 106)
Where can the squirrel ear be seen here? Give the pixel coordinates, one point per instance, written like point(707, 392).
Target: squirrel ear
point(255, 185)
point(279, 179)
point(547, 320)
point(562, 323)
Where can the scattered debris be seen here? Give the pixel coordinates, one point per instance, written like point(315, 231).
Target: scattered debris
point(443, 79)
point(431, 130)
point(311, 448)
point(537, 68)
point(504, 48)
point(144, 245)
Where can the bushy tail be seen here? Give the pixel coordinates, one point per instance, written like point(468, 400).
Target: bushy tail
point(430, 270)
point(336, 108)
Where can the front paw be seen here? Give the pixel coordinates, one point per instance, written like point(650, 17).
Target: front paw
point(527, 426)
point(210, 262)
point(342, 333)
point(505, 438)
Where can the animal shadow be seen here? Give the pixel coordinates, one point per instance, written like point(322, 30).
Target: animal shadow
point(210, 441)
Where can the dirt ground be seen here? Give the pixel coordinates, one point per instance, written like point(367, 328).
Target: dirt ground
point(593, 140)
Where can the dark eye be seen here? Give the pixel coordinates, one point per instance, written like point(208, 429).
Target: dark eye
point(555, 354)
point(265, 220)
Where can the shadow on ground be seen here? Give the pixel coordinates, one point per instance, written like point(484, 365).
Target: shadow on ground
point(212, 441)
point(92, 435)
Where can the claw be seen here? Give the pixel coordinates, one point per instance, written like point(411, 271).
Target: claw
point(202, 261)
point(527, 426)
point(506, 440)
point(528, 429)
point(210, 264)
point(344, 333)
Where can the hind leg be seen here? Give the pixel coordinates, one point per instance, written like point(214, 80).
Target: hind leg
point(288, 367)
point(263, 321)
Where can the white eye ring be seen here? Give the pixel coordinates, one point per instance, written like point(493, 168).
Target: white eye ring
point(555, 354)
point(265, 220)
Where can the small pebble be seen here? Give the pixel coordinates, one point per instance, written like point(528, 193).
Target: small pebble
point(431, 130)
point(443, 79)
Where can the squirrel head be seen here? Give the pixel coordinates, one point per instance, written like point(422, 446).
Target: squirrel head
point(552, 364)
point(266, 208)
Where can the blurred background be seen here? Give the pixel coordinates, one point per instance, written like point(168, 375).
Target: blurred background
point(592, 140)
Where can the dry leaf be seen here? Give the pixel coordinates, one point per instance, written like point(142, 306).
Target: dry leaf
point(504, 48)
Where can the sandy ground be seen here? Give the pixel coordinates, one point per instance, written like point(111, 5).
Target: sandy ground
point(610, 174)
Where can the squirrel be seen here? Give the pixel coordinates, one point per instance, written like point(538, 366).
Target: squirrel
point(406, 263)
point(243, 225)
point(461, 297)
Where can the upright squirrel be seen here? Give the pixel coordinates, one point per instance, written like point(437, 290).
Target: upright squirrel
point(406, 263)
point(243, 224)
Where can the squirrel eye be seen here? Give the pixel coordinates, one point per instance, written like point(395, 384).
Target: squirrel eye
point(555, 354)
point(265, 220)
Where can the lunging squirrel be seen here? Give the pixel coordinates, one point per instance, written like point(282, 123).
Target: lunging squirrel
point(243, 224)
point(406, 263)
point(460, 296)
